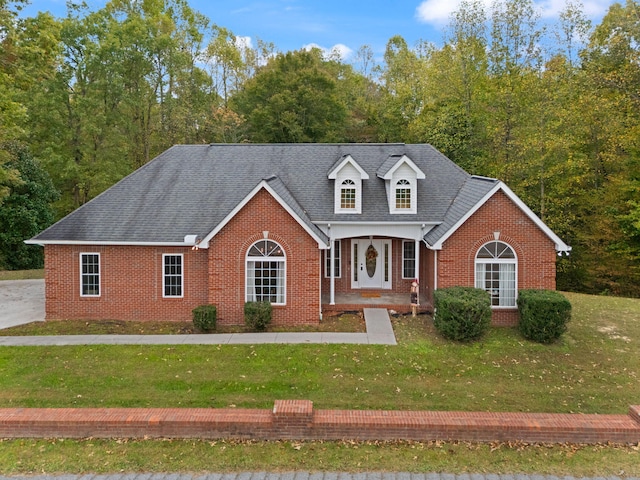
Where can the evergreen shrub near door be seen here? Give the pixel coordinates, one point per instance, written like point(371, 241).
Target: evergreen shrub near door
point(462, 313)
point(257, 315)
point(544, 315)
point(205, 317)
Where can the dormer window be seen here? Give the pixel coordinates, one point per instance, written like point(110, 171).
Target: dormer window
point(403, 194)
point(348, 195)
point(348, 176)
point(401, 177)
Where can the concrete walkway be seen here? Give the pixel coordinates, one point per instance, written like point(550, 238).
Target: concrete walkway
point(378, 323)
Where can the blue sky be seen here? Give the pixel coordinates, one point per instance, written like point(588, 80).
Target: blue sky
point(345, 25)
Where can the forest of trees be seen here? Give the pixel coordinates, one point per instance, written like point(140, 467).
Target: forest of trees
point(553, 110)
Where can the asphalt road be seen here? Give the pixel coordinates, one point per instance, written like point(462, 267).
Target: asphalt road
point(21, 301)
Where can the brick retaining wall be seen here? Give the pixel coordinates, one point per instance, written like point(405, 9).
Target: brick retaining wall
point(297, 420)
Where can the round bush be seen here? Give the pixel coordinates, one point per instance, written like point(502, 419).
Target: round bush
point(462, 314)
point(544, 315)
point(257, 315)
point(205, 317)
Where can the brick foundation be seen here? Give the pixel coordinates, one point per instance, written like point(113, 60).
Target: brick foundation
point(297, 420)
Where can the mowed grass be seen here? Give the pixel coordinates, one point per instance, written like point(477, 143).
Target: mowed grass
point(593, 369)
point(21, 274)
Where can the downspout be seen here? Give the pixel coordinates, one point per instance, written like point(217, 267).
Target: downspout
point(320, 283)
point(332, 269)
point(435, 270)
point(417, 270)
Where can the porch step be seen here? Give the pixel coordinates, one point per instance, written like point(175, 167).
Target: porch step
point(379, 326)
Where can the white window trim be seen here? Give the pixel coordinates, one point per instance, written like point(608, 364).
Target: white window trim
point(164, 275)
point(82, 254)
point(415, 269)
point(282, 259)
point(357, 186)
point(485, 261)
point(412, 186)
point(327, 260)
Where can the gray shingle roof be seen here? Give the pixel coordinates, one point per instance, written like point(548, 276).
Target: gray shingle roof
point(190, 189)
point(470, 193)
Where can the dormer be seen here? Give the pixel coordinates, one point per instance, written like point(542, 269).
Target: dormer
point(401, 177)
point(348, 176)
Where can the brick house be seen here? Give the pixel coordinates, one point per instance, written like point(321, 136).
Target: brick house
point(226, 224)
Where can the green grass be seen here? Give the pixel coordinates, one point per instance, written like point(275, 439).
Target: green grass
point(21, 274)
point(30, 457)
point(593, 369)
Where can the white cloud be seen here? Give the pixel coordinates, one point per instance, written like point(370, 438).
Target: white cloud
point(342, 51)
point(439, 11)
point(244, 42)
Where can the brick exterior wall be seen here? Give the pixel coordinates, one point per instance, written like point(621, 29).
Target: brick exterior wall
point(536, 267)
point(297, 420)
point(130, 283)
point(131, 276)
point(227, 257)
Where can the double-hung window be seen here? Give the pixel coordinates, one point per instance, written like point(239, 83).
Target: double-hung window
point(496, 272)
point(265, 273)
point(172, 278)
point(90, 274)
point(327, 260)
point(408, 259)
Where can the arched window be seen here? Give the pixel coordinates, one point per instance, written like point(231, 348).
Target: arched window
point(403, 194)
point(266, 273)
point(496, 272)
point(348, 195)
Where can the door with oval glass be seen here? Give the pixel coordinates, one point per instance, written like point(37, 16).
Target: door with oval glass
point(372, 263)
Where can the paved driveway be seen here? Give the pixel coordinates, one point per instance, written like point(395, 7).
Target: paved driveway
point(21, 301)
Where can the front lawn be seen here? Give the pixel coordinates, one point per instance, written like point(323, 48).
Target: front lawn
point(593, 369)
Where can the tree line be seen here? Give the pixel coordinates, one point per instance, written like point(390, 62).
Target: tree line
point(552, 110)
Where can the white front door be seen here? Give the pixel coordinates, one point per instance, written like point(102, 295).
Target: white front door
point(371, 264)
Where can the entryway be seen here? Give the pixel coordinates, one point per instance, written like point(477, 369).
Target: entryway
point(371, 263)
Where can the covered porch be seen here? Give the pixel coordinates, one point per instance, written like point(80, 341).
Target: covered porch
point(399, 302)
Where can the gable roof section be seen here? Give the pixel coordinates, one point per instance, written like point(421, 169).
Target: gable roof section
point(394, 162)
point(346, 159)
point(281, 194)
point(473, 194)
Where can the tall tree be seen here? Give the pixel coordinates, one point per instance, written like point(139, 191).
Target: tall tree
point(294, 98)
point(453, 79)
point(515, 59)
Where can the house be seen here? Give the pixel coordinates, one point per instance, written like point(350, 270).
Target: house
point(225, 224)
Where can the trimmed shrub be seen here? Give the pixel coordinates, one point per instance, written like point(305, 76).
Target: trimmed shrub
point(205, 317)
point(462, 313)
point(544, 315)
point(257, 315)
